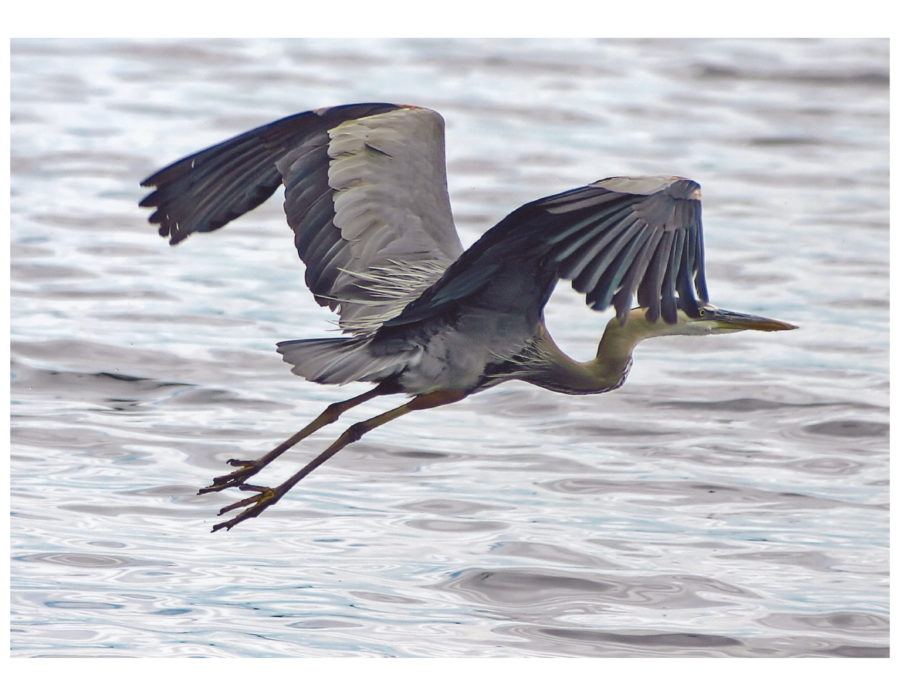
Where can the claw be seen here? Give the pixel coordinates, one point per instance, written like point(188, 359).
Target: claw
point(245, 469)
point(264, 497)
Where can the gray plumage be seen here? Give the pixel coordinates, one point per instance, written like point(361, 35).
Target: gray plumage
point(366, 197)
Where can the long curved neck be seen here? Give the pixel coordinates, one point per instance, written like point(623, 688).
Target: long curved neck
point(607, 371)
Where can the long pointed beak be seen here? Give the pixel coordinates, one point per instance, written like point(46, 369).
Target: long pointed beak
point(737, 321)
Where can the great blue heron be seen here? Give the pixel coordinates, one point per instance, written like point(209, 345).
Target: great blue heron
point(366, 197)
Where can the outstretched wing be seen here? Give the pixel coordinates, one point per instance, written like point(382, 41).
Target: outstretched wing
point(614, 239)
point(369, 207)
point(365, 193)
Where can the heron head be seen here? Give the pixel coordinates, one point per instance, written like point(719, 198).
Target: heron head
point(709, 320)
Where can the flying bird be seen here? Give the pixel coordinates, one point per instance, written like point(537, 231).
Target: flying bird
point(366, 197)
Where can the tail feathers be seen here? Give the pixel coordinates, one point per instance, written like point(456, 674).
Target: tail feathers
point(337, 360)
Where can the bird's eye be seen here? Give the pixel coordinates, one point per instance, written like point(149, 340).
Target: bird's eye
point(701, 312)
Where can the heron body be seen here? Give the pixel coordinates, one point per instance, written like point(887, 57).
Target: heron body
point(366, 196)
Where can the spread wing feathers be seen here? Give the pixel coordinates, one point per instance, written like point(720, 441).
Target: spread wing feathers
point(366, 194)
point(205, 190)
point(369, 207)
point(614, 239)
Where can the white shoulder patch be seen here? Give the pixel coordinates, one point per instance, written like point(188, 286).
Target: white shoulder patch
point(642, 185)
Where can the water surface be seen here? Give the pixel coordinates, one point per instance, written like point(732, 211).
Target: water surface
point(730, 500)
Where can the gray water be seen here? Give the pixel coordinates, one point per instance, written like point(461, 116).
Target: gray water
point(730, 500)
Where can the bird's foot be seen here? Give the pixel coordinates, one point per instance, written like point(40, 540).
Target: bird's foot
point(264, 497)
point(245, 468)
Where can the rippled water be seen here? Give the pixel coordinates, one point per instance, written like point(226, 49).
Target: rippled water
point(731, 499)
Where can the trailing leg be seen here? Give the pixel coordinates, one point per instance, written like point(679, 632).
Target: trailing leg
point(266, 496)
point(245, 468)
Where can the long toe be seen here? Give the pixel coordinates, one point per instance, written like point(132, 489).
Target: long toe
point(255, 504)
point(246, 469)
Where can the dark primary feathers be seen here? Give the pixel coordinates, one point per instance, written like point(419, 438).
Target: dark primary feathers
point(613, 239)
point(205, 190)
point(361, 193)
point(366, 191)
